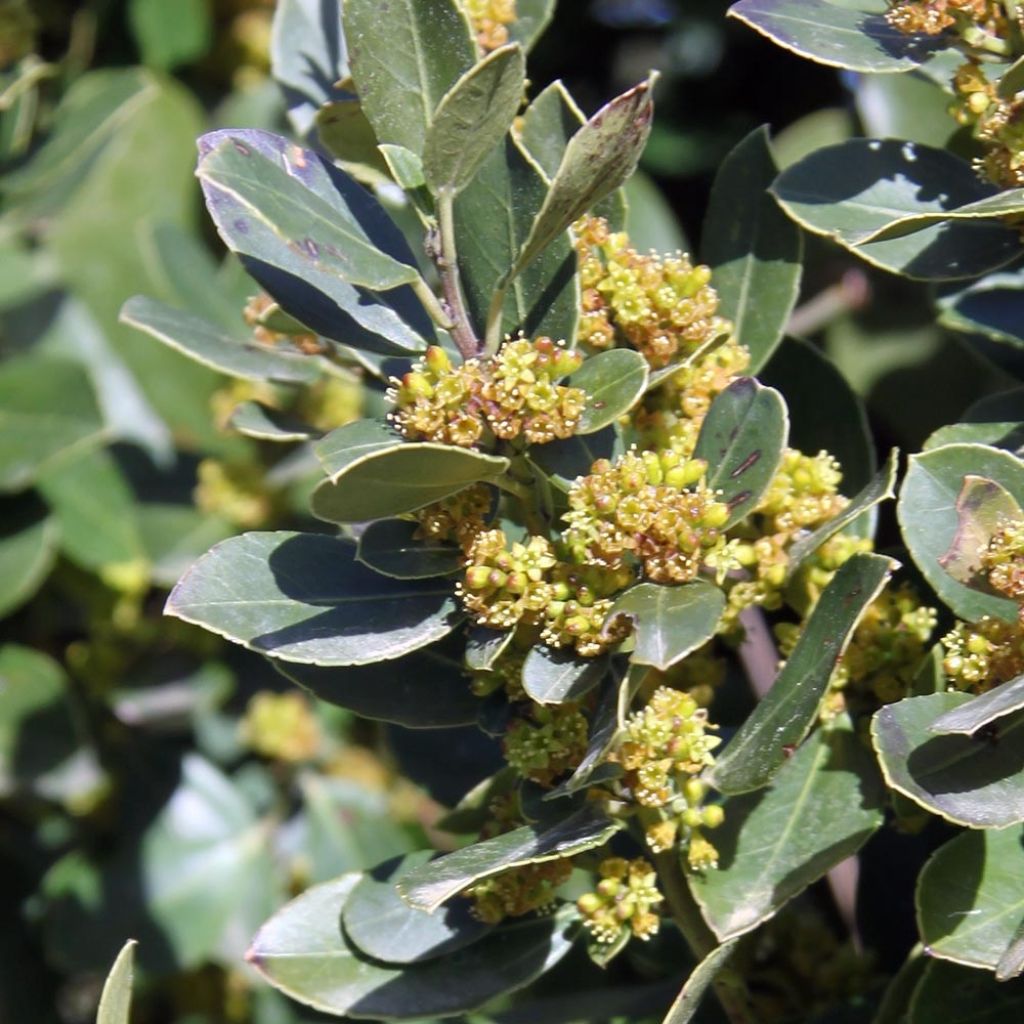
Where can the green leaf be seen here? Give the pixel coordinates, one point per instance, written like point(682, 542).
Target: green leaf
point(427, 690)
point(555, 676)
point(690, 995)
point(485, 645)
point(354, 442)
point(979, 712)
point(1008, 204)
point(302, 952)
point(27, 553)
point(604, 727)
point(266, 424)
point(742, 439)
point(996, 420)
point(651, 221)
point(1011, 963)
point(304, 598)
point(597, 160)
point(430, 886)
point(493, 217)
point(972, 781)
point(532, 17)
point(753, 248)
point(927, 511)
point(881, 488)
point(970, 897)
point(670, 622)
point(382, 925)
point(48, 412)
point(392, 548)
point(116, 998)
point(852, 192)
point(201, 340)
point(785, 715)
point(823, 804)
point(170, 36)
point(614, 381)
point(991, 307)
point(404, 63)
point(343, 130)
point(175, 536)
point(841, 35)
point(472, 119)
point(961, 995)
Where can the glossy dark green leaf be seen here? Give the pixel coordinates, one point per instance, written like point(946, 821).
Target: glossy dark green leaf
point(670, 622)
point(927, 511)
point(970, 897)
point(27, 554)
point(555, 676)
point(975, 714)
point(435, 883)
point(47, 412)
point(823, 804)
point(354, 442)
point(116, 997)
point(742, 440)
point(992, 307)
point(604, 726)
point(972, 781)
point(404, 63)
point(961, 995)
point(785, 715)
point(853, 191)
point(304, 598)
point(753, 248)
point(687, 1003)
point(996, 420)
point(838, 34)
point(302, 951)
point(1005, 204)
point(382, 925)
point(614, 381)
point(597, 160)
point(392, 547)
point(472, 119)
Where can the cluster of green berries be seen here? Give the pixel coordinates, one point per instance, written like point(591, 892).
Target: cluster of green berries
point(997, 122)
point(624, 901)
point(932, 17)
point(458, 519)
point(650, 507)
point(546, 742)
point(662, 306)
point(490, 19)
point(983, 654)
point(522, 890)
point(509, 395)
point(1003, 561)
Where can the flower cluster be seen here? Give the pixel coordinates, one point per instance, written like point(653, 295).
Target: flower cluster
point(1003, 560)
point(237, 492)
point(460, 518)
point(625, 900)
point(546, 742)
point(281, 726)
point(931, 17)
point(514, 393)
point(997, 122)
point(648, 506)
point(491, 19)
point(984, 654)
point(803, 494)
point(662, 306)
point(522, 890)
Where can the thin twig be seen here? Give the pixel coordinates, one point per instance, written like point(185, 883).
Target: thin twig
point(448, 268)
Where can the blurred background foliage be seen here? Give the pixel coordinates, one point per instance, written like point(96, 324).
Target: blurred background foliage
point(155, 782)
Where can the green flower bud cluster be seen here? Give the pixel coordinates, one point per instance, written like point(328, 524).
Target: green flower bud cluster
point(649, 507)
point(547, 742)
point(624, 901)
point(490, 19)
point(459, 518)
point(983, 654)
point(662, 306)
point(1003, 560)
point(804, 493)
point(522, 890)
point(510, 395)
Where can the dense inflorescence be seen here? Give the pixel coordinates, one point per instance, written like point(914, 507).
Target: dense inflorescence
point(983, 654)
point(625, 901)
point(460, 518)
point(546, 742)
point(996, 121)
point(930, 17)
point(491, 19)
point(1003, 561)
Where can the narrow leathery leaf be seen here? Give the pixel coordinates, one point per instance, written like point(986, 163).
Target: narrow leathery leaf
point(982, 507)
point(837, 34)
point(403, 64)
point(472, 119)
point(742, 440)
point(853, 191)
point(354, 442)
point(614, 382)
point(929, 520)
point(208, 344)
point(303, 952)
point(435, 883)
point(425, 690)
point(690, 995)
point(1011, 963)
point(379, 923)
point(597, 160)
point(976, 781)
point(670, 622)
point(290, 226)
point(962, 995)
point(754, 250)
point(785, 715)
point(881, 488)
point(485, 645)
point(304, 598)
point(976, 714)
point(604, 726)
point(116, 998)
point(27, 554)
point(266, 424)
point(823, 804)
point(401, 479)
point(970, 897)
point(392, 548)
point(405, 166)
point(48, 411)
point(555, 676)
point(1008, 203)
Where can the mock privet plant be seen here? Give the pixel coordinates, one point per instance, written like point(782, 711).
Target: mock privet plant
point(574, 515)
